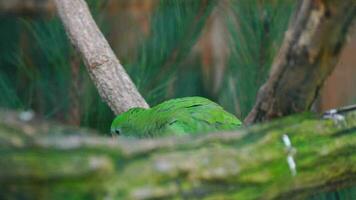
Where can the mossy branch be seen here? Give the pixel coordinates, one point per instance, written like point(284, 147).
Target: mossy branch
point(45, 161)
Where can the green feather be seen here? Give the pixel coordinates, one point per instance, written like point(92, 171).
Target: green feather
point(189, 115)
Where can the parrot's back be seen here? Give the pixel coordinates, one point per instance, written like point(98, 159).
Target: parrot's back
point(191, 115)
point(182, 116)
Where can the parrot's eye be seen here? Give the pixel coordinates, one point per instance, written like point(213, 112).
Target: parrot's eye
point(117, 131)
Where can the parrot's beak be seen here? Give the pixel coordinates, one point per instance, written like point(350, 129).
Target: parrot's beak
point(113, 134)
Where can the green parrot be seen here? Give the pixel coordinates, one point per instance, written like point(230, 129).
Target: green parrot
point(182, 116)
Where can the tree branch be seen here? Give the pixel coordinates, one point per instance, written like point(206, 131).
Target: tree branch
point(309, 53)
point(49, 161)
point(110, 78)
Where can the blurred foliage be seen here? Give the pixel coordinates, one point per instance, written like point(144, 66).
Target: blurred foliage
point(37, 60)
point(257, 29)
point(339, 194)
point(36, 72)
point(175, 28)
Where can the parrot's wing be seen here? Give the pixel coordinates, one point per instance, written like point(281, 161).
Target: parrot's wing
point(211, 117)
point(193, 115)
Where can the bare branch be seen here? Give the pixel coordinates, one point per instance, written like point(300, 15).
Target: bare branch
point(110, 78)
point(309, 53)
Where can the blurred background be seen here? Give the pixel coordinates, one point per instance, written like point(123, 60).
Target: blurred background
point(219, 49)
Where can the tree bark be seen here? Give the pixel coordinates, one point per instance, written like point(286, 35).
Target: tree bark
point(110, 78)
point(46, 161)
point(309, 53)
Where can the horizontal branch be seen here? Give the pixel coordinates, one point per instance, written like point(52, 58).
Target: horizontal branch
point(48, 161)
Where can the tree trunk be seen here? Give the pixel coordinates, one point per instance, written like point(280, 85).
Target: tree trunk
point(110, 78)
point(309, 53)
point(46, 161)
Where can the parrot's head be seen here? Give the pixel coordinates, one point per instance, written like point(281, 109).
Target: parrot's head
point(125, 123)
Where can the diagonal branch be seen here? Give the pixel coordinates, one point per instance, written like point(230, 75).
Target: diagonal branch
point(309, 53)
point(110, 78)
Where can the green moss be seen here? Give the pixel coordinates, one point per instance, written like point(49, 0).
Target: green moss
point(249, 164)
